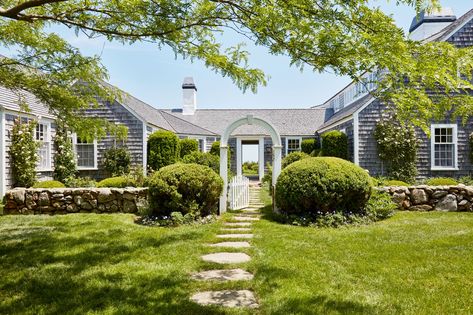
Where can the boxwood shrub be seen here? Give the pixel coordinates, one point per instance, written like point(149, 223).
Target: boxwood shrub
point(49, 184)
point(293, 157)
point(184, 188)
point(163, 149)
point(441, 181)
point(116, 182)
point(322, 184)
point(201, 158)
point(187, 146)
point(335, 143)
point(309, 146)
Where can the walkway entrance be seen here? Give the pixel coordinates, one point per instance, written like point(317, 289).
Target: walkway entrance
point(277, 147)
point(258, 142)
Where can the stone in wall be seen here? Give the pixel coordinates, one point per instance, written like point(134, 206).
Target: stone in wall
point(74, 200)
point(428, 198)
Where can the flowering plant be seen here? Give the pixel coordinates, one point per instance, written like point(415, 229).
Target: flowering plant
point(64, 160)
point(23, 153)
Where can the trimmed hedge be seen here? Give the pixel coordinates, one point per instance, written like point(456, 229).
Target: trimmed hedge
point(215, 149)
point(322, 184)
point(205, 159)
point(441, 181)
point(49, 184)
point(395, 183)
point(335, 144)
point(308, 146)
point(293, 157)
point(185, 188)
point(116, 182)
point(187, 146)
point(163, 149)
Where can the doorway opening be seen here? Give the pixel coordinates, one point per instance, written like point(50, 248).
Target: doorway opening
point(250, 159)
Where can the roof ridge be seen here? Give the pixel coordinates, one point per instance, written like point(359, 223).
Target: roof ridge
point(186, 121)
point(235, 109)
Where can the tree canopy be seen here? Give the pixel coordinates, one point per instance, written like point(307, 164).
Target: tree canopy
point(348, 37)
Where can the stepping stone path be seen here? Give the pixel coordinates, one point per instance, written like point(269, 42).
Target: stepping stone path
point(232, 298)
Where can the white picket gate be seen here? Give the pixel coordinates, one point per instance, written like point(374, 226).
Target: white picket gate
point(239, 192)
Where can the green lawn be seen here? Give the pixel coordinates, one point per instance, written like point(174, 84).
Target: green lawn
point(413, 263)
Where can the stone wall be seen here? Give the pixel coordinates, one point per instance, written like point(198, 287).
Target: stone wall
point(73, 200)
point(428, 198)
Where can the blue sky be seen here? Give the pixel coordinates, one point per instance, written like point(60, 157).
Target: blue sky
point(155, 76)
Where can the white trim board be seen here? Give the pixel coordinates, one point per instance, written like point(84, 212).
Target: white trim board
point(454, 128)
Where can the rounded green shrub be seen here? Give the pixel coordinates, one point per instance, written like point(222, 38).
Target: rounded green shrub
point(184, 188)
point(441, 181)
point(308, 146)
point(335, 143)
point(322, 184)
point(293, 157)
point(395, 183)
point(116, 161)
point(49, 184)
point(116, 182)
point(187, 146)
point(163, 149)
point(202, 158)
point(76, 182)
point(215, 149)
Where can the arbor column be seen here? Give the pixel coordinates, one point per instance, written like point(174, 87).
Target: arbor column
point(261, 158)
point(239, 152)
point(224, 175)
point(277, 151)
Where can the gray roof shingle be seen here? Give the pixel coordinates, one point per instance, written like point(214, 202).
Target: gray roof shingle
point(10, 100)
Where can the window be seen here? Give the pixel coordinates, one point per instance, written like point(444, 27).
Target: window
point(293, 145)
point(444, 147)
point(42, 136)
point(86, 153)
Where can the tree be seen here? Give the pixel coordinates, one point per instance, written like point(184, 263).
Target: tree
point(347, 37)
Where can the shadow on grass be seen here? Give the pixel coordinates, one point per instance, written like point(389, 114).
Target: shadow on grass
point(60, 273)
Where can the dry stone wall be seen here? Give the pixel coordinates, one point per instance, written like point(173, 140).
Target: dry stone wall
point(428, 198)
point(73, 200)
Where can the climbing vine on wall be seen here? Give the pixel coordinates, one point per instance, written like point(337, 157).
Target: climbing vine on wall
point(64, 160)
point(23, 153)
point(397, 146)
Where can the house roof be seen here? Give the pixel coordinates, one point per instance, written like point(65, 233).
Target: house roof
point(286, 121)
point(11, 100)
point(442, 15)
point(346, 112)
point(445, 33)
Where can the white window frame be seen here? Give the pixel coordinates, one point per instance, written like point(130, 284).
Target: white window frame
point(47, 140)
point(293, 138)
point(85, 168)
point(454, 128)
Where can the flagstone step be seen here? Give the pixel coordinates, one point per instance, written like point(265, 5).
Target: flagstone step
point(231, 244)
point(242, 218)
point(223, 275)
point(235, 235)
point(237, 229)
point(226, 258)
point(237, 224)
point(226, 298)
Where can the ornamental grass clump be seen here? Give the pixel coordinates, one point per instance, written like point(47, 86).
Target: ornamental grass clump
point(322, 185)
point(184, 188)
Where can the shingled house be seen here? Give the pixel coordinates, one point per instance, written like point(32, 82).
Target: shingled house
point(356, 112)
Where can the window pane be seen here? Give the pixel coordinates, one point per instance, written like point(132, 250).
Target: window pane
point(293, 145)
point(85, 153)
point(43, 156)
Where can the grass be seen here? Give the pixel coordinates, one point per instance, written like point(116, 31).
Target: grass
point(413, 263)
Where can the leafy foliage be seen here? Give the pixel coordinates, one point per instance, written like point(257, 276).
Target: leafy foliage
point(185, 188)
point(116, 182)
point(335, 144)
point(323, 184)
point(64, 160)
point(470, 142)
point(466, 180)
point(49, 184)
point(23, 153)
point(203, 158)
point(250, 168)
point(395, 183)
point(293, 157)
point(215, 149)
point(441, 181)
point(187, 146)
point(117, 161)
point(397, 146)
point(76, 182)
point(309, 146)
point(163, 149)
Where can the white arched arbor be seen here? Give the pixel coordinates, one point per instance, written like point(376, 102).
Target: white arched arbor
point(277, 148)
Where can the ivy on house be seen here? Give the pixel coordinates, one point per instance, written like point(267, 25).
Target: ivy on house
point(397, 146)
point(64, 160)
point(23, 153)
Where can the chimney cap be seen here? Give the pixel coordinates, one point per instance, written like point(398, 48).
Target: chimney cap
point(436, 16)
point(189, 83)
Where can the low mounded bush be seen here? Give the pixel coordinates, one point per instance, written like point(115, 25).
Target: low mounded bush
point(187, 146)
point(309, 146)
point(49, 184)
point(184, 188)
point(201, 158)
point(322, 184)
point(441, 181)
point(335, 143)
point(394, 183)
point(293, 157)
point(76, 182)
point(116, 182)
